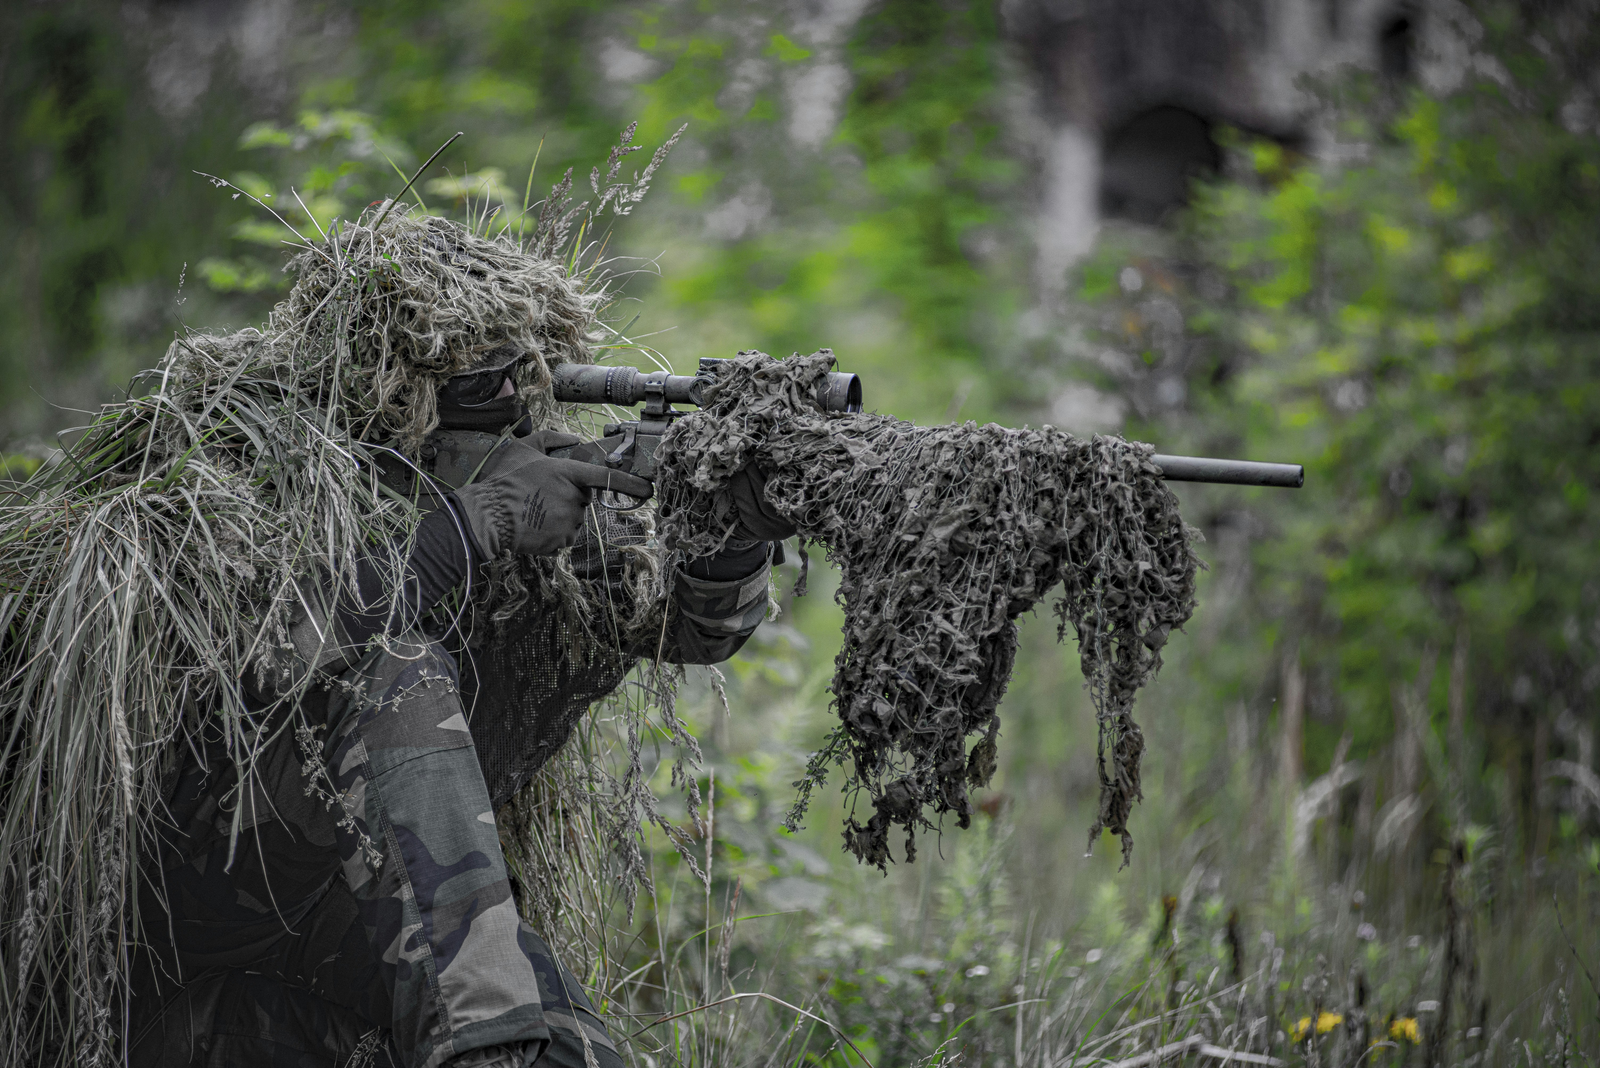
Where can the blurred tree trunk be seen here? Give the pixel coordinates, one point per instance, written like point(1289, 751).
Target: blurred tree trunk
point(1410, 720)
point(1459, 770)
point(1291, 756)
point(1536, 788)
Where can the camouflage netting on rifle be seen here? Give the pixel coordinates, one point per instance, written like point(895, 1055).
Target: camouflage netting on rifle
point(944, 535)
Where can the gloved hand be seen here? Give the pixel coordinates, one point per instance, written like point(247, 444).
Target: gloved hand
point(758, 520)
point(528, 503)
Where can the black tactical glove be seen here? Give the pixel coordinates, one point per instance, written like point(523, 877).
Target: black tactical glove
point(528, 503)
point(758, 520)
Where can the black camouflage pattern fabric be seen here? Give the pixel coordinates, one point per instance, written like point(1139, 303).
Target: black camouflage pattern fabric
point(365, 915)
point(716, 617)
point(381, 924)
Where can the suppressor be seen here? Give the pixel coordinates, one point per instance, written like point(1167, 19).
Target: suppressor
point(1232, 472)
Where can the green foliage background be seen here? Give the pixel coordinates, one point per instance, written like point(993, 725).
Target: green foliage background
point(1417, 326)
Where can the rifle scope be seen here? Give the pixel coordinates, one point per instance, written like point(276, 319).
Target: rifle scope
point(577, 383)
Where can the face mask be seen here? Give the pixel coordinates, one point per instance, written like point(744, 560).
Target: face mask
point(473, 400)
point(493, 416)
point(480, 386)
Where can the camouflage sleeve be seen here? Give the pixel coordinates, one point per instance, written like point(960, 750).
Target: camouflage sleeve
point(712, 604)
point(710, 619)
point(336, 621)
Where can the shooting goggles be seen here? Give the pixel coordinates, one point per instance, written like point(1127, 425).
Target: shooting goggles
point(480, 385)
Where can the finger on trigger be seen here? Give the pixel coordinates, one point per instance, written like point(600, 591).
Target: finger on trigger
point(604, 478)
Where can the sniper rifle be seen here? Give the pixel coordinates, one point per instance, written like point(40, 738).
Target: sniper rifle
point(631, 445)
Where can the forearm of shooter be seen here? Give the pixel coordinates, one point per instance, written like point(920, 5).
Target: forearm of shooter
point(717, 603)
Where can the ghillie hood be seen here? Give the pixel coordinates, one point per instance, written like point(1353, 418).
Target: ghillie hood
point(159, 562)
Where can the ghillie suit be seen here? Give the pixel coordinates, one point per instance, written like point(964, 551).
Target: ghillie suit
point(945, 535)
point(156, 581)
point(160, 572)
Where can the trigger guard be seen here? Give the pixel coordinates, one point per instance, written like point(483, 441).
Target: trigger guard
point(601, 497)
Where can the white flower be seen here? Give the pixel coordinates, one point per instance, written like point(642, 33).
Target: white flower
point(977, 971)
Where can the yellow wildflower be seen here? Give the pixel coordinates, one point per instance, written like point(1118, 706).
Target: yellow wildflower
point(1405, 1027)
point(1326, 1022)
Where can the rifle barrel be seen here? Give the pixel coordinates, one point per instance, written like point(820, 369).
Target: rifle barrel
point(1233, 472)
